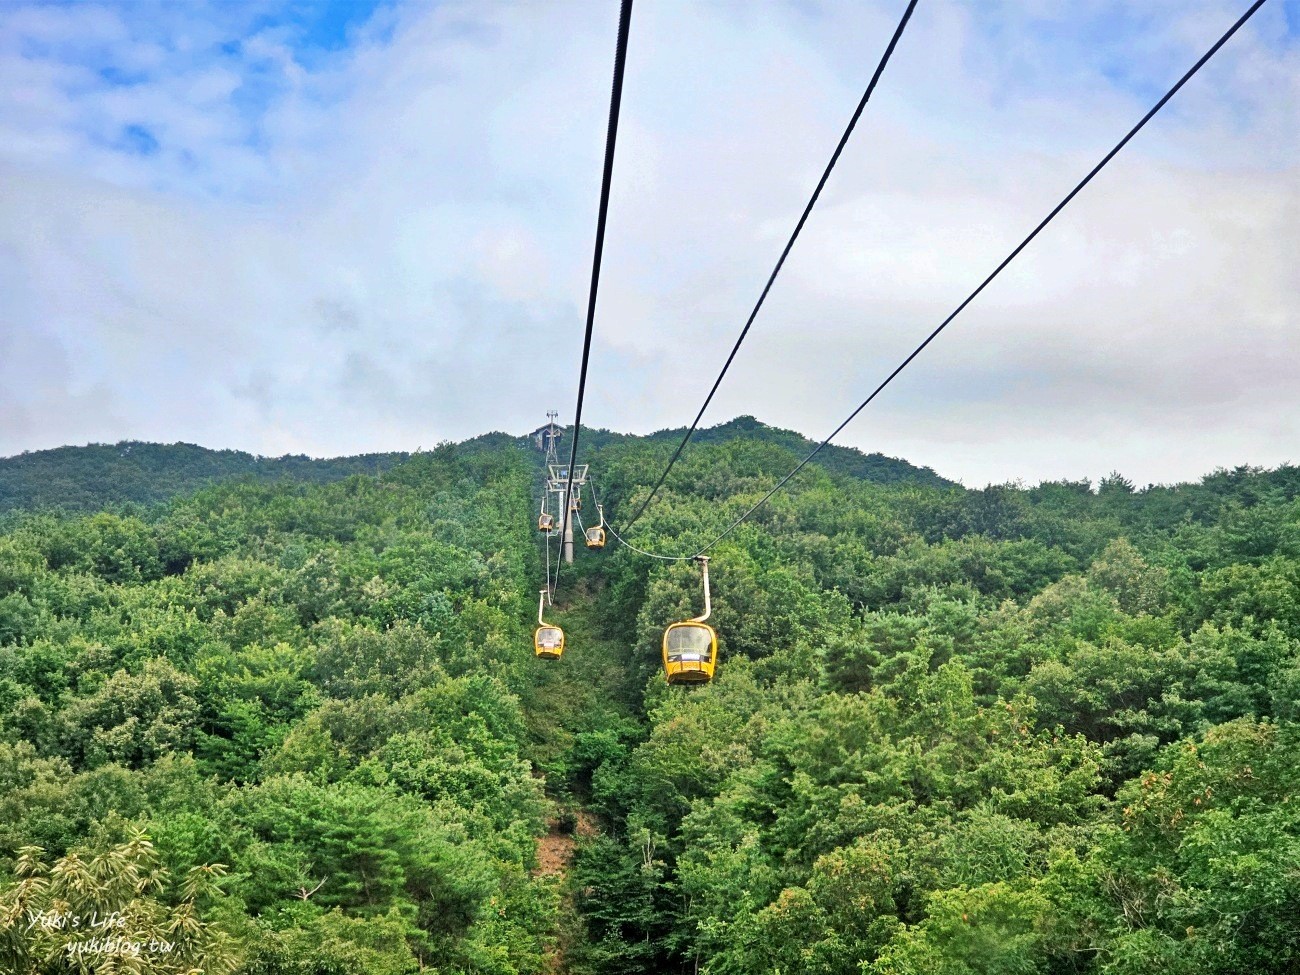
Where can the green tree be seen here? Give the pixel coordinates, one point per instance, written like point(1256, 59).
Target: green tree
point(111, 911)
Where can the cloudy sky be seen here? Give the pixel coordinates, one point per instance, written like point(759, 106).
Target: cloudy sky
point(333, 227)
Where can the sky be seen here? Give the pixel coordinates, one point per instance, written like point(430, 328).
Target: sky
point(338, 227)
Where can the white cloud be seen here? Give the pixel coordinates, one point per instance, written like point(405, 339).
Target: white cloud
point(391, 246)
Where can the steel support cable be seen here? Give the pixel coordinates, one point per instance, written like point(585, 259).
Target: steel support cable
point(789, 245)
point(640, 551)
point(547, 544)
point(548, 567)
point(996, 271)
point(611, 138)
point(553, 578)
point(624, 542)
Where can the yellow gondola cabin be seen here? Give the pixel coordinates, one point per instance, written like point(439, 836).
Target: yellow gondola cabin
point(690, 653)
point(691, 646)
point(548, 640)
point(595, 537)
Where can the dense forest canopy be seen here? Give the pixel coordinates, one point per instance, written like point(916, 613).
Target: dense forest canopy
point(294, 725)
point(99, 475)
point(119, 475)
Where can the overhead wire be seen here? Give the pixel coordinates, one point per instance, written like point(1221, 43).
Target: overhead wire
point(549, 590)
point(611, 138)
point(625, 543)
point(785, 252)
point(996, 271)
point(546, 543)
point(640, 551)
point(546, 492)
point(552, 580)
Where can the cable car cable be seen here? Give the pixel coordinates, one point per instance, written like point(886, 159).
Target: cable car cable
point(549, 590)
point(998, 270)
point(789, 245)
point(626, 544)
point(547, 541)
point(640, 551)
point(546, 546)
point(611, 137)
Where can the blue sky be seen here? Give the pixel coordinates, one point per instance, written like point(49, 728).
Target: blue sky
point(333, 227)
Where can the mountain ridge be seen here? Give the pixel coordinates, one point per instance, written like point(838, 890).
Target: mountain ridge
point(92, 476)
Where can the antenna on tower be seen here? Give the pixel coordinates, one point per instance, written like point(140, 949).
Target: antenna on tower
point(549, 436)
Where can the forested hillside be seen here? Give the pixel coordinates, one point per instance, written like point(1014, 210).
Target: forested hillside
point(843, 460)
point(99, 475)
point(299, 728)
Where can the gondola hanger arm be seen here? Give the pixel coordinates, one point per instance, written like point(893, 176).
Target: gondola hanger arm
point(708, 603)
